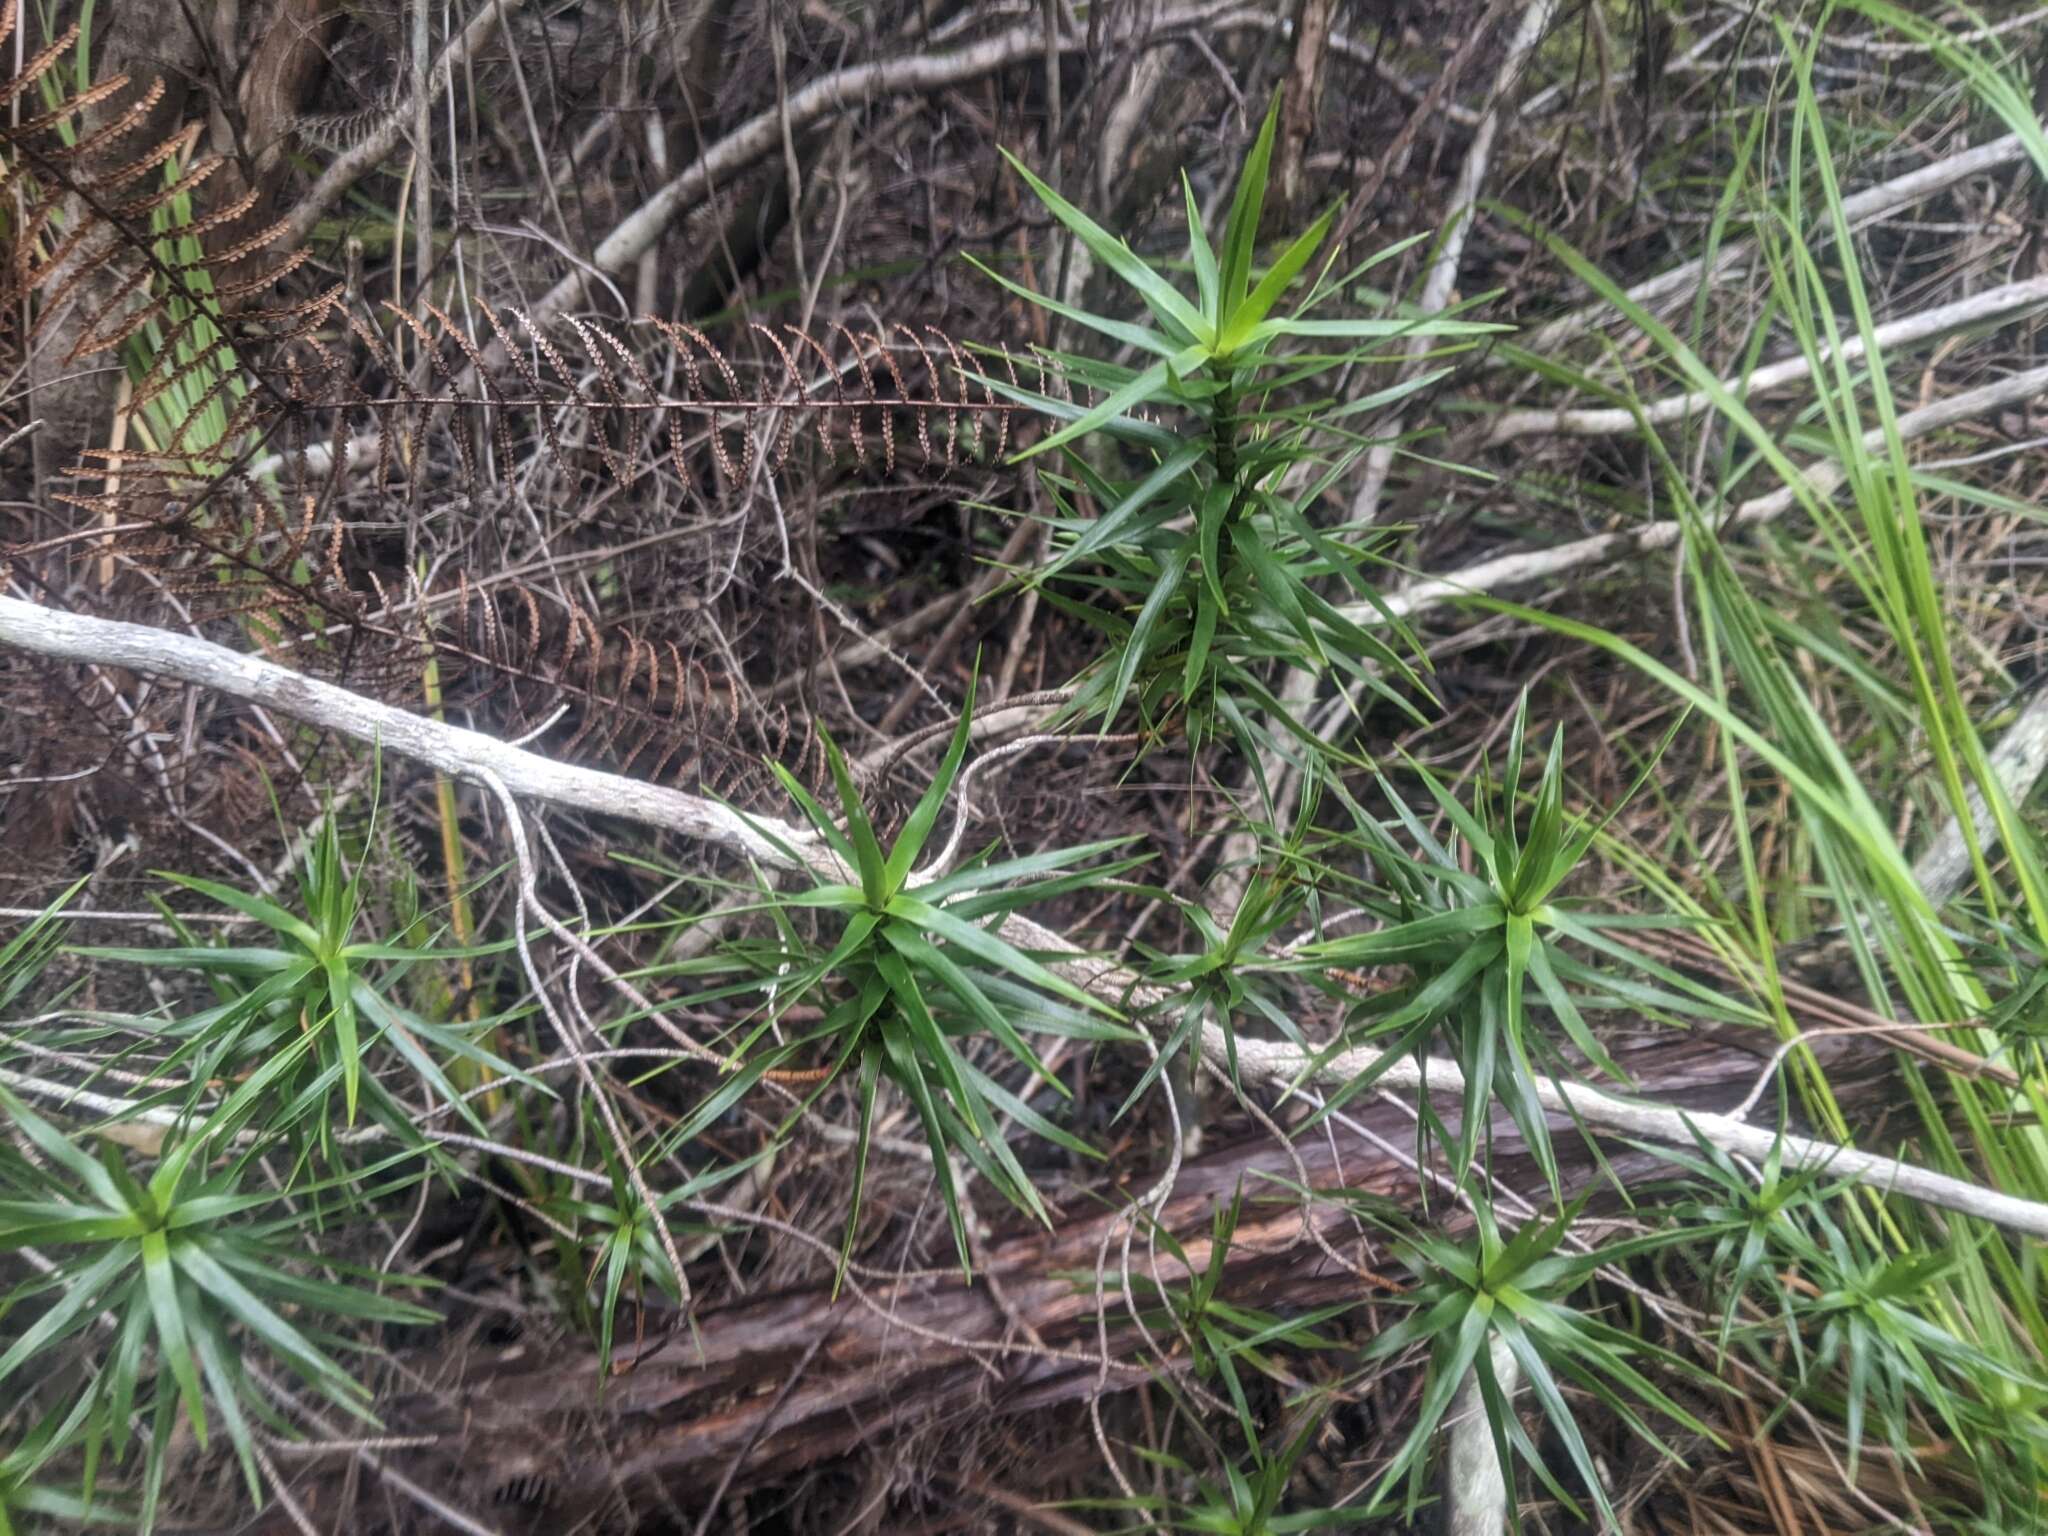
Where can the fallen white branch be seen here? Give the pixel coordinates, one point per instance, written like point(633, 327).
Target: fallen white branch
point(2016, 762)
point(458, 752)
point(1859, 209)
point(345, 170)
point(1280, 1063)
point(1441, 281)
point(1476, 1486)
point(448, 748)
point(2001, 303)
point(1822, 479)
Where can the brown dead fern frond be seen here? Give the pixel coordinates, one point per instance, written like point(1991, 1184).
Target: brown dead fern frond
point(238, 503)
point(665, 381)
point(92, 257)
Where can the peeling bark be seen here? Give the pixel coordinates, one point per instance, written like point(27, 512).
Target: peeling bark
point(773, 1384)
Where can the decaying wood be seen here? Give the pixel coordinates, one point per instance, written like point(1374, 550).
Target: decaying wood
point(789, 1380)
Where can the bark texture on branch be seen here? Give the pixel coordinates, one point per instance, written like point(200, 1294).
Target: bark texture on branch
point(69, 636)
point(789, 1380)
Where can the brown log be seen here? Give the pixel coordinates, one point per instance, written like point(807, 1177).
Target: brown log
point(764, 1387)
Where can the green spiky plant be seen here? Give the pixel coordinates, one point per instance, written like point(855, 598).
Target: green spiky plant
point(1227, 1339)
point(1187, 535)
point(1484, 944)
point(1204, 568)
point(907, 971)
point(319, 981)
point(175, 1265)
point(1775, 681)
point(1517, 1290)
point(1244, 1498)
point(615, 1243)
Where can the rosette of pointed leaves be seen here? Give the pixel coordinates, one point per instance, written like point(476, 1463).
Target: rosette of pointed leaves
point(1247, 1499)
point(1479, 941)
point(624, 1242)
point(192, 1280)
point(907, 974)
point(1205, 565)
point(1517, 1292)
point(319, 980)
point(1223, 1336)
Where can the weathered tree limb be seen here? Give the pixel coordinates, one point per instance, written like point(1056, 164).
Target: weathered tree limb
point(2005, 302)
point(1857, 209)
point(2017, 761)
point(458, 752)
point(1442, 278)
point(690, 1406)
point(345, 170)
point(1823, 478)
point(856, 85)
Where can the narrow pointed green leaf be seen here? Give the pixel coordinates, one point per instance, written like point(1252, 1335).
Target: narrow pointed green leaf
point(1200, 640)
point(1122, 517)
point(1567, 1011)
point(214, 1356)
point(1241, 230)
point(341, 998)
point(1144, 338)
point(820, 819)
point(909, 1076)
point(917, 827)
point(248, 1309)
point(81, 1293)
point(991, 949)
point(54, 1144)
point(1020, 1111)
point(1138, 647)
point(1209, 523)
point(1260, 301)
point(870, 1080)
point(1140, 390)
point(920, 951)
point(161, 1284)
point(867, 851)
point(269, 913)
point(1160, 296)
point(1201, 256)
